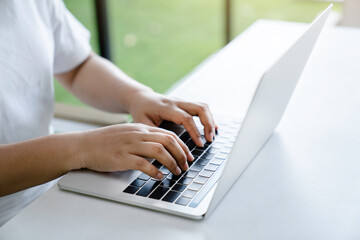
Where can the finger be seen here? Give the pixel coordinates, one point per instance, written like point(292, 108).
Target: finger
point(157, 150)
point(216, 127)
point(181, 117)
point(190, 157)
point(146, 121)
point(205, 116)
point(141, 164)
point(171, 145)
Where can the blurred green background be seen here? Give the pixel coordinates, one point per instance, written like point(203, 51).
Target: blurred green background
point(158, 42)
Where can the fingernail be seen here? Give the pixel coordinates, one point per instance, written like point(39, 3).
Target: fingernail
point(178, 171)
point(212, 136)
point(159, 175)
point(186, 166)
point(201, 142)
point(190, 157)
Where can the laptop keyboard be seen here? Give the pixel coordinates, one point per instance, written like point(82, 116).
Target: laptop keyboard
point(189, 186)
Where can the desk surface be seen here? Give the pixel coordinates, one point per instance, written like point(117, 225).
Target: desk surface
point(305, 182)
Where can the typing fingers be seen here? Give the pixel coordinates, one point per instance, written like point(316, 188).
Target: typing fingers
point(172, 145)
point(158, 151)
point(203, 112)
point(139, 163)
point(178, 140)
point(181, 117)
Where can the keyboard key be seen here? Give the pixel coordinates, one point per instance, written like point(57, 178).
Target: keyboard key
point(221, 159)
point(206, 173)
point(182, 173)
point(171, 196)
point(196, 167)
point(196, 152)
point(185, 137)
point(191, 163)
point(235, 126)
point(225, 121)
point(131, 189)
point(229, 145)
point(213, 150)
point(144, 176)
point(237, 122)
point(225, 150)
point(156, 164)
point(148, 188)
point(174, 177)
point(191, 174)
point(138, 183)
point(190, 144)
point(189, 194)
point(208, 156)
point(167, 183)
point(230, 131)
point(222, 156)
point(226, 135)
point(164, 170)
point(202, 149)
point(202, 162)
point(195, 186)
point(217, 161)
point(159, 192)
point(221, 140)
point(155, 179)
point(185, 180)
point(179, 187)
point(217, 145)
point(211, 167)
point(183, 201)
point(201, 180)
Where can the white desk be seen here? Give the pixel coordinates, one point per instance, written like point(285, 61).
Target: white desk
point(304, 184)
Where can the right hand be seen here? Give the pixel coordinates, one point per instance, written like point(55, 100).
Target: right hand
point(125, 146)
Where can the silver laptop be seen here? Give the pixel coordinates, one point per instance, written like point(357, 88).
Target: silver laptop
point(196, 192)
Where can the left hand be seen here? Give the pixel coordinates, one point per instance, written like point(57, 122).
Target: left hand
point(152, 108)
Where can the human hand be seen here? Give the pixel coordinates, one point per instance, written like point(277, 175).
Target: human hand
point(125, 146)
point(152, 108)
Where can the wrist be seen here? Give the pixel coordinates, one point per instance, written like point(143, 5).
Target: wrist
point(136, 97)
point(76, 154)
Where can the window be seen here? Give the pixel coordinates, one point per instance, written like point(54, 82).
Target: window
point(157, 42)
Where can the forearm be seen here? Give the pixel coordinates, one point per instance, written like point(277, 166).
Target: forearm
point(101, 84)
point(37, 161)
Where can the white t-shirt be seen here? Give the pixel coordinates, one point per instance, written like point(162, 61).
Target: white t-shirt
point(38, 38)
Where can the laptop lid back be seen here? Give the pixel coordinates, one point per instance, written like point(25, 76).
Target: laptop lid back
point(267, 107)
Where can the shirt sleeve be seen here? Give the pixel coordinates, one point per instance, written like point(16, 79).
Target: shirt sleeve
point(71, 39)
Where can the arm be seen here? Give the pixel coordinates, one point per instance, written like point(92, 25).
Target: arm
point(30, 163)
point(101, 84)
point(115, 148)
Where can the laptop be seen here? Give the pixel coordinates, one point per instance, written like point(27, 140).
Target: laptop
point(217, 166)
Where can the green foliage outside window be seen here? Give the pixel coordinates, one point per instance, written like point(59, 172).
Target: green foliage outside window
point(158, 42)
